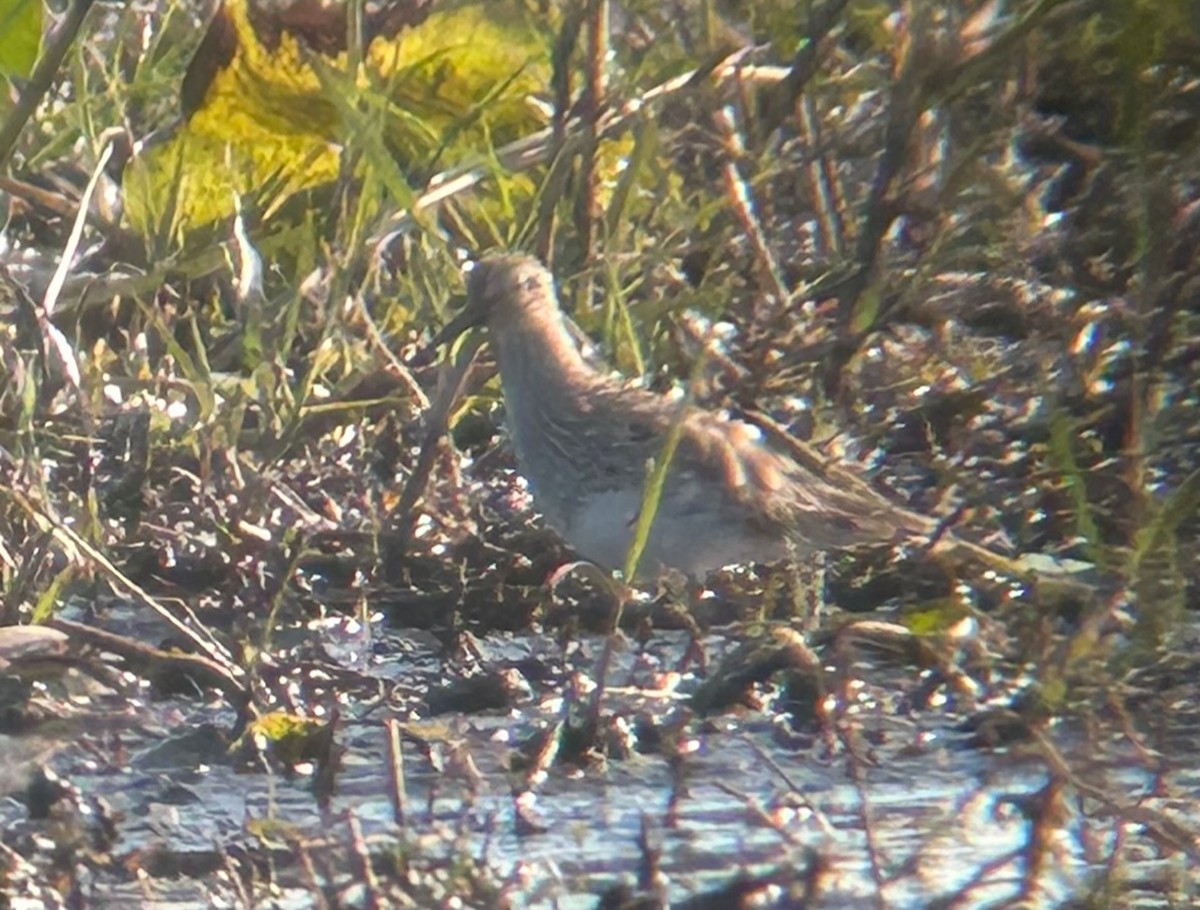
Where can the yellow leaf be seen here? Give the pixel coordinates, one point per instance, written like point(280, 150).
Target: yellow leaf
point(272, 99)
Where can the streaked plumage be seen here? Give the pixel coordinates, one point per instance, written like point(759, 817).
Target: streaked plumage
point(583, 441)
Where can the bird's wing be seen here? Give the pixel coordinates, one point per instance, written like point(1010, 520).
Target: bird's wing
point(731, 468)
point(808, 498)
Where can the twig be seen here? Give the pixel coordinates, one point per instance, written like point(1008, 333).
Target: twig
point(796, 790)
point(742, 200)
point(50, 299)
point(539, 148)
point(824, 185)
point(150, 662)
point(597, 89)
point(54, 339)
point(83, 291)
point(866, 820)
point(377, 340)
point(42, 77)
point(397, 790)
point(782, 98)
point(450, 384)
point(69, 538)
point(364, 872)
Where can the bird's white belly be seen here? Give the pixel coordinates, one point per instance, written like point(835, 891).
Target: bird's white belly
point(601, 529)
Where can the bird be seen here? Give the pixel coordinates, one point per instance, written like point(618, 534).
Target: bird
point(584, 439)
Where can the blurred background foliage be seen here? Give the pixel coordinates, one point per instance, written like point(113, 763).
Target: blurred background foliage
point(21, 26)
point(955, 244)
point(957, 240)
point(272, 98)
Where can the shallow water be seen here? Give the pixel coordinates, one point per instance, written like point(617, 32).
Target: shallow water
point(937, 811)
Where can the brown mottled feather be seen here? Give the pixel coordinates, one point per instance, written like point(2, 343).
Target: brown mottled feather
point(583, 440)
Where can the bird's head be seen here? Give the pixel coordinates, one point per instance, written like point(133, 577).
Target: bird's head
point(502, 290)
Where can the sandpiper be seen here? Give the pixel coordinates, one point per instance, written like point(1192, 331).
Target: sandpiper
point(584, 439)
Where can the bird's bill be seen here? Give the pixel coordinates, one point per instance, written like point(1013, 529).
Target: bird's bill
point(468, 318)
